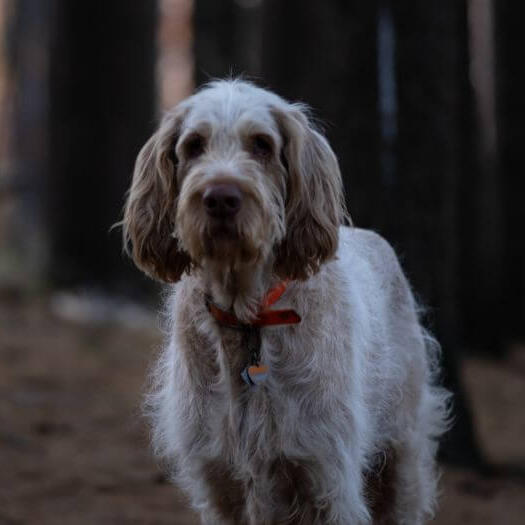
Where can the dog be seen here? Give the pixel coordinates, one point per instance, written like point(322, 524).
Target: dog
point(296, 384)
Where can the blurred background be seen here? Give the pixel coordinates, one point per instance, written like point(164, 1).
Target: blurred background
point(423, 102)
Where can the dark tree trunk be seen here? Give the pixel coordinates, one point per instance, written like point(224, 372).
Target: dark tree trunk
point(510, 67)
point(431, 79)
point(481, 269)
point(25, 252)
point(102, 108)
point(325, 54)
point(85, 103)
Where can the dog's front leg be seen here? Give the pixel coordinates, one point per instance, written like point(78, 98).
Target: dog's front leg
point(309, 492)
point(343, 498)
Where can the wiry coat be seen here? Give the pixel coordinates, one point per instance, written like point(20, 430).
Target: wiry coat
point(345, 428)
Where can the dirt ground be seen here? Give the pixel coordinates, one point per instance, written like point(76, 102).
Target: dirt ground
point(74, 449)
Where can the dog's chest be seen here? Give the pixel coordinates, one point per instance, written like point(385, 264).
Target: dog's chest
point(239, 418)
point(252, 409)
point(256, 431)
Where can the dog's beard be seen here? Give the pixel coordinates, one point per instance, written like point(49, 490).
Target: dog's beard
point(226, 243)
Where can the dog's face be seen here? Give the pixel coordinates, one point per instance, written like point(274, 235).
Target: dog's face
point(238, 177)
point(231, 178)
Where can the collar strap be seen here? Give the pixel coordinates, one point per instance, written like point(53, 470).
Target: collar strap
point(265, 317)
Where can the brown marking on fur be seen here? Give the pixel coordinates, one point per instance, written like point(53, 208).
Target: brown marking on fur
point(203, 365)
point(237, 355)
point(380, 487)
point(227, 493)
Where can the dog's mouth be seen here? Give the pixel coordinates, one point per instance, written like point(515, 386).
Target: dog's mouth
point(221, 238)
point(223, 242)
point(222, 229)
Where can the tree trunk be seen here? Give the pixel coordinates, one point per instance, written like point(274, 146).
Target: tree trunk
point(481, 269)
point(432, 82)
point(24, 253)
point(510, 67)
point(102, 107)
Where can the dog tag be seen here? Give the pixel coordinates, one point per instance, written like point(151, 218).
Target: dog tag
point(254, 375)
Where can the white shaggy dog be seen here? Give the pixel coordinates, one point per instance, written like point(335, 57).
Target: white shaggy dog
point(320, 410)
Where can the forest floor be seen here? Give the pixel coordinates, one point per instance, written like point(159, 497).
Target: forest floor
point(74, 448)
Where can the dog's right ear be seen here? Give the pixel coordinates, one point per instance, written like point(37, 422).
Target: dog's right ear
point(149, 213)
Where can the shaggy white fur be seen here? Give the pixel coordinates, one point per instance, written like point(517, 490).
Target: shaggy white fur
point(345, 428)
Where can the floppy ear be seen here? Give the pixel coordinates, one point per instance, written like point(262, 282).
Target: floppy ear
point(149, 213)
point(315, 205)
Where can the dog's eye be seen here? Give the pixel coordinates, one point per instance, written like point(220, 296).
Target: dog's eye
point(261, 146)
point(194, 146)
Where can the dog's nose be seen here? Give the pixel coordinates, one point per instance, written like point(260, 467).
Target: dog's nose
point(222, 200)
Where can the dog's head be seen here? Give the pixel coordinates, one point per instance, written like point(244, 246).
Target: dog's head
point(238, 176)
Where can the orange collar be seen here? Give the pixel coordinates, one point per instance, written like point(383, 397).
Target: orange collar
point(265, 317)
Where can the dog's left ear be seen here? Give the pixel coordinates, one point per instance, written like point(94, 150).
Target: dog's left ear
point(315, 205)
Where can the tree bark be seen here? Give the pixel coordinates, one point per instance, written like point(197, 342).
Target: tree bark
point(481, 266)
point(24, 254)
point(510, 68)
point(101, 111)
point(431, 78)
